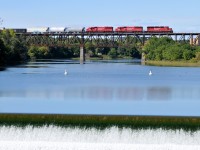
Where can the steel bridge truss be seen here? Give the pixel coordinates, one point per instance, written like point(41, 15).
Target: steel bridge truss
point(104, 39)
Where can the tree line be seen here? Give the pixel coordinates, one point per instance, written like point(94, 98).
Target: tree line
point(12, 50)
point(165, 48)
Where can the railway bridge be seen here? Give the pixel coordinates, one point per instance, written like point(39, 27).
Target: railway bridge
point(97, 39)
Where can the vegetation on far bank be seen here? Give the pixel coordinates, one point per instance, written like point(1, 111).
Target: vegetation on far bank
point(172, 63)
point(12, 50)
point(166, 49)
point(102, 122)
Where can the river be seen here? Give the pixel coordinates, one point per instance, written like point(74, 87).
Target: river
point(103, 87)
point(112, 87)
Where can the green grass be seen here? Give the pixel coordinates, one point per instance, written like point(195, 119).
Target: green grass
point(101, 122)
point(173, 63)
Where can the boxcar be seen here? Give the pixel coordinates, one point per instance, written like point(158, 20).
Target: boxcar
point(20, 30)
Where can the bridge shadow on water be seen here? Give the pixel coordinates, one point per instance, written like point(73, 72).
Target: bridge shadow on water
point(2, 69)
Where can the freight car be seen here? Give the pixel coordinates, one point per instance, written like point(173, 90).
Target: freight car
point(37, 30)
point(65, 29)
point(56, 29)
point(75, 29)
point(100, 29)
point(20, 30)
point(129, 29)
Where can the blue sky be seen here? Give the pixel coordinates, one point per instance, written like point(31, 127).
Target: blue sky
point(181, 15)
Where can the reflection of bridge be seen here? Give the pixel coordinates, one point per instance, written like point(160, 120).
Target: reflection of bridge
point(112, 39)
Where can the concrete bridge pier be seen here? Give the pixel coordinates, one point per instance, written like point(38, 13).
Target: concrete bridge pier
point(192, 40)
point(82, 54)
point(198, 40)
point(143, 58)
point(195, 40)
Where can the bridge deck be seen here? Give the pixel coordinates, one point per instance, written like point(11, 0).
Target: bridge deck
point(110, 33)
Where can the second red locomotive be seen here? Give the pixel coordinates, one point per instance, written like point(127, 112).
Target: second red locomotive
point(129, 29)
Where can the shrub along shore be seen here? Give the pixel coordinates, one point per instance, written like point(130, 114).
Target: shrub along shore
point(101, 121)
point(172, 63)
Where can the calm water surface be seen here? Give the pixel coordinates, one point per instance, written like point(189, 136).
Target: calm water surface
point(116, 87)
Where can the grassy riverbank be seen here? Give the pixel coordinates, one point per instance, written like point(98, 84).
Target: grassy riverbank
point(173, 63)
point(101, 122)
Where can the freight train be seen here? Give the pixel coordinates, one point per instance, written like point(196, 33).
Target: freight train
point(97, 29)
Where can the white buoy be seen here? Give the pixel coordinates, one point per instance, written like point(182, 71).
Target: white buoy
point(150, 73)
point(65, 72)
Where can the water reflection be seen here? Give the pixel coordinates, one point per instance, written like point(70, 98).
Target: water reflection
point(2, 69)
point(161, 93)
point(108, 94)
point(31, 66)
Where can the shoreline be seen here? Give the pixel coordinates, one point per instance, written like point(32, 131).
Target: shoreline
point(102, 121)
point(172, 63)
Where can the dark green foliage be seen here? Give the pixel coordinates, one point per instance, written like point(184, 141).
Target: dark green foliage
point(166, 49)
point(60, 52)
point(13, 50)
point(38, 52)
point(2, 53)
point(17, 52)
point(45, 52)
point(105, 50)
point(197, 56)
point(133, 52)
point(90, 49)
point(187, 54)
point(112, 53)
point(101, 122)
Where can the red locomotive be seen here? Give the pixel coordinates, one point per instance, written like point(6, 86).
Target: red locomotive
point(129, 29)
point(159, 29)
point(100, 29)
point(133, 29)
